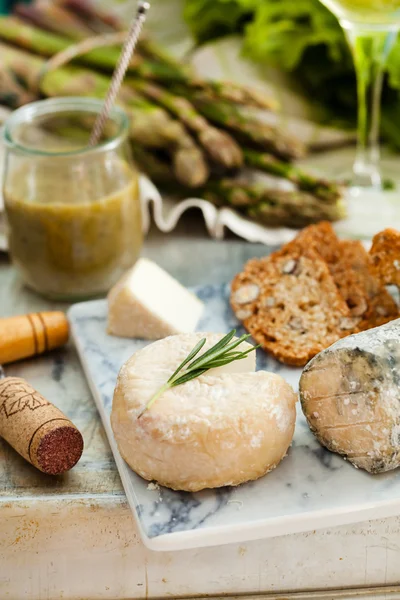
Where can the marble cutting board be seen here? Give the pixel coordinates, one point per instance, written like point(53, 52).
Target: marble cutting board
point(312, 488)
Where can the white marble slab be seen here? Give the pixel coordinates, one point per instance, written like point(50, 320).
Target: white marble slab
point(311, 489)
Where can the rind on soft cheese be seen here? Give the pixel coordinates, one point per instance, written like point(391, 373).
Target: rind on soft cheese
point(350, 395)
point(148, 303)
point(228, 426)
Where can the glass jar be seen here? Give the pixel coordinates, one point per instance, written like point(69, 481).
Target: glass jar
point(72, 211)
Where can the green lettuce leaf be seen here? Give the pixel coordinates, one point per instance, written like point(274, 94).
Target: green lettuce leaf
point(304, 38)
point(282, 31)
point(211, 19)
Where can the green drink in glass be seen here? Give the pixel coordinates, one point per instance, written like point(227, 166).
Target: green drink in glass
point(371, 27)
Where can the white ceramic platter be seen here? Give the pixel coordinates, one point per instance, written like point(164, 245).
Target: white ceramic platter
point(312, 488)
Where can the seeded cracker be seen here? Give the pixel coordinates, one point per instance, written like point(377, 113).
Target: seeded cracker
point(322, 238)
point(385, 254)
point(290, 304)
point(380, 306)
point(351, 267)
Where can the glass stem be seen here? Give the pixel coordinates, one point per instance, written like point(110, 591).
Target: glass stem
point(370, 50)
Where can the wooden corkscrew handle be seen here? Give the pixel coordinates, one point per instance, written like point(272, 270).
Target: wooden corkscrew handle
point(37, 429)
point(32, 334)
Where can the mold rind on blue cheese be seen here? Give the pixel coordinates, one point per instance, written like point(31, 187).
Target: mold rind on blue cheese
point(350, 395)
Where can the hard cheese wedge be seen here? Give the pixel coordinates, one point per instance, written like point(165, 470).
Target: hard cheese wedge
point(148, 303)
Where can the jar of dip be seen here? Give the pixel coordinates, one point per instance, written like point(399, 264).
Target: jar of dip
point(73, 212)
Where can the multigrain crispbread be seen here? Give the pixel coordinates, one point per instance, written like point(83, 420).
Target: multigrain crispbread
point(290, 304)
point(352, 270)
point(385, 254)
point(379, 304)
point(324, 241)
point(269, 295)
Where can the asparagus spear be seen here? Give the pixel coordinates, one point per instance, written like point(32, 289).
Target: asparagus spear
point(72, 81)
point(154, 128)
point(99, 19)
point(228, 91)
point(47, 44)
point(25, 67)
point(150, 125)
point(273, 207)
point(87, 20)
point(53, 18)
point(235, 93)
point(221, 147)
point(12, 93)
point(160, 170)
point(157, 169)
point(247, 128)
point(157, 67)
point(323, 189)
point(103, 20)
point(95, 21)
point(270, 206)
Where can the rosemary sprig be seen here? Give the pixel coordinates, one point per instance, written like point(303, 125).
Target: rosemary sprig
point(222, 353)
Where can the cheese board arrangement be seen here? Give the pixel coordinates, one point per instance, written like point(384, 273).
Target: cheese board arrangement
point(264, 405)
point(199, 430)
point(296, 497)
point(209, 438)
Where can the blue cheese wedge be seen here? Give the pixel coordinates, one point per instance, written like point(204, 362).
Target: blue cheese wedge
point(148, 303)
point(350, 395)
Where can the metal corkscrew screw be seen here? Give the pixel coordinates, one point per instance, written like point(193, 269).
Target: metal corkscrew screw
point(120, 70)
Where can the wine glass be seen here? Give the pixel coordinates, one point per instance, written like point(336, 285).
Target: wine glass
point(371, 28)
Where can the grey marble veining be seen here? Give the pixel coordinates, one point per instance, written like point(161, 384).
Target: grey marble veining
point(311, 488)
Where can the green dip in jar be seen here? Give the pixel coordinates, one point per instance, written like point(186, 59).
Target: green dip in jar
point(73, 212)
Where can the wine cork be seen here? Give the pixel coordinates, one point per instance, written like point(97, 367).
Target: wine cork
point(29, 335)
point(36, 429)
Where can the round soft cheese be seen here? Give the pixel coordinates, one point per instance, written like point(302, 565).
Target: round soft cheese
point(226, 427)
